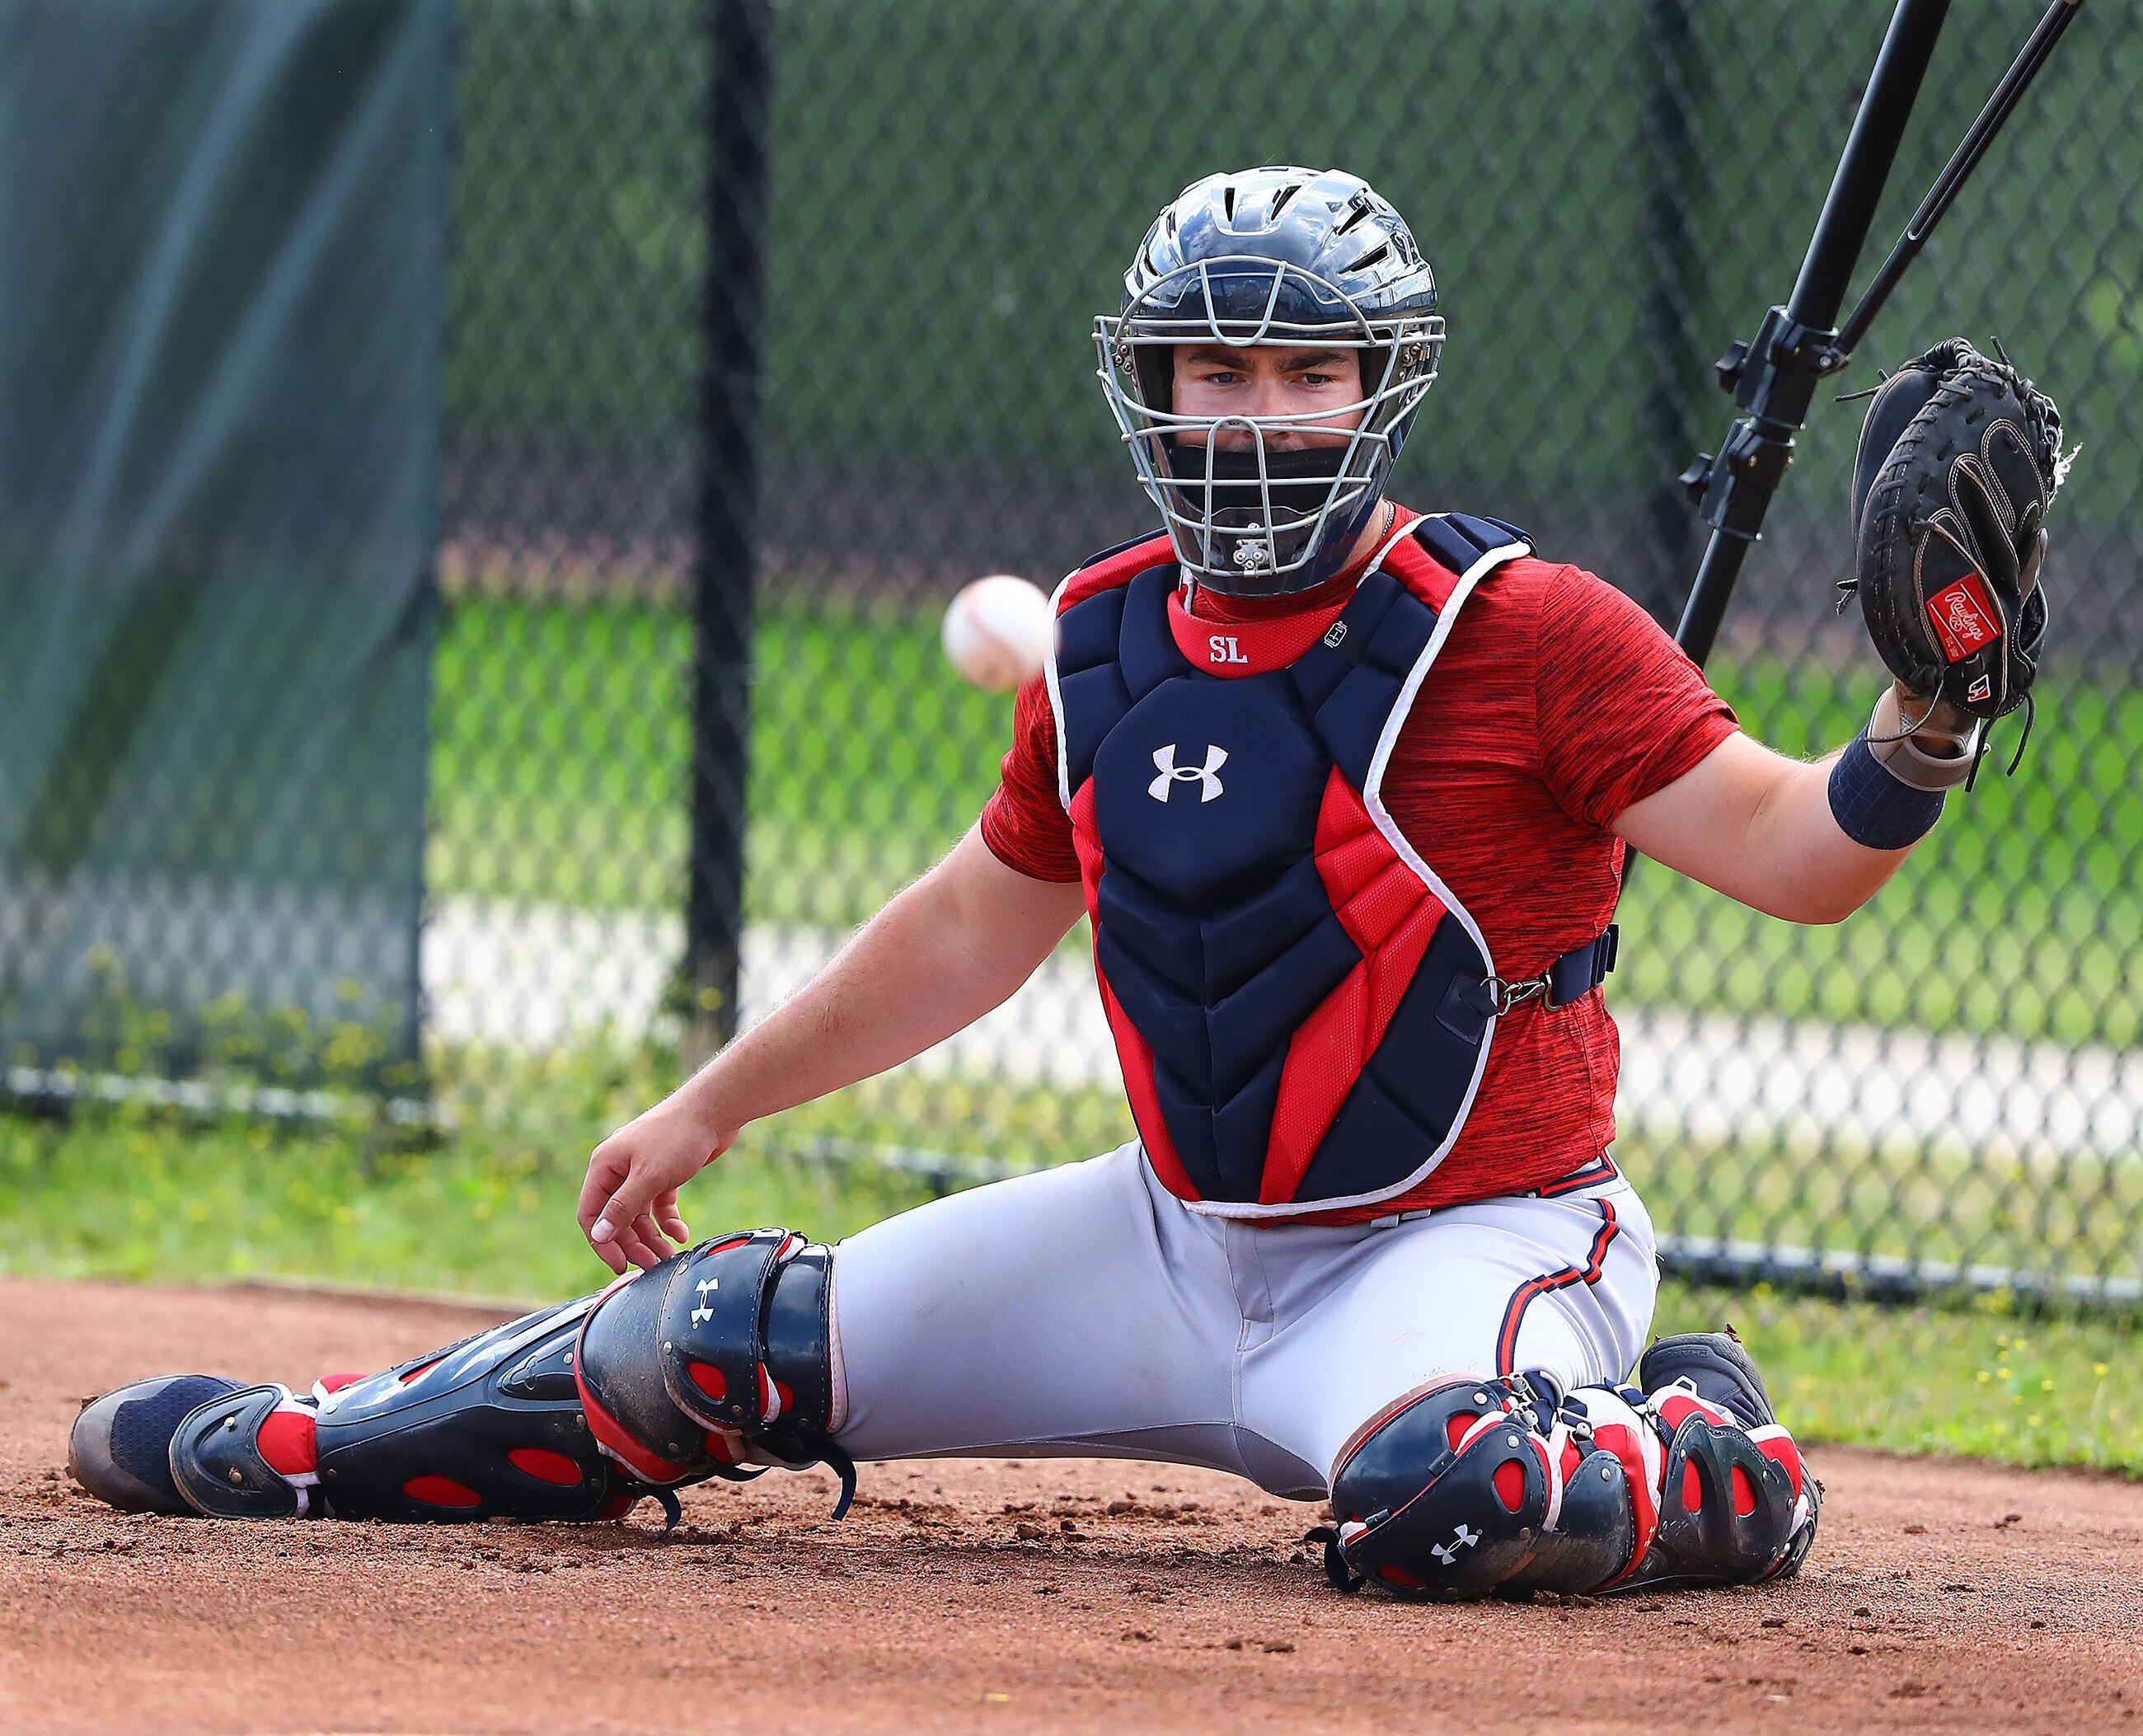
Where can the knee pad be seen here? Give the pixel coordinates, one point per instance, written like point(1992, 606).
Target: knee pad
point(1469, 1487)
point(717, 1355)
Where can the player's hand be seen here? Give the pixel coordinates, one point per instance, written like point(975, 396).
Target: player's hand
point(628, 1208)
point(1939, 726)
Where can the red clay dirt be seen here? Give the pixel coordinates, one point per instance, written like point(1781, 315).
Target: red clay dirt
point(974, 1595)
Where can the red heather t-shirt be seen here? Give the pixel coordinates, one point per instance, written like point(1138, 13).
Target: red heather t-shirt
point(1556, 703)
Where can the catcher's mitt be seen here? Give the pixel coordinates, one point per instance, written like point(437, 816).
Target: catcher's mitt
point(1959, 458)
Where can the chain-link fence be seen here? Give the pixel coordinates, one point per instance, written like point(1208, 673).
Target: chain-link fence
point(685, 605)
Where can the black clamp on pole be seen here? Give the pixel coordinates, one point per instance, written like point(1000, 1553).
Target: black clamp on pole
point(1775, 380)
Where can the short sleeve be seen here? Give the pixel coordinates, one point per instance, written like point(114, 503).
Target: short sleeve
point(1622, 711)
point(1023, 822)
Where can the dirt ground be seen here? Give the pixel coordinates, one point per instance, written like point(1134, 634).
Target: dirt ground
point(973, 1595)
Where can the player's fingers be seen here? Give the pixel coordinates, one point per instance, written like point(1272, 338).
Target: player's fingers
point(627, 1200)
point(668, 1215)
point(652, 1238)
point(606, 1168)
point(607, 1252)
point(624, 1241)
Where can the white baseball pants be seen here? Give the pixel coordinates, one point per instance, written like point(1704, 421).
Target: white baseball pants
point(1086, 1311)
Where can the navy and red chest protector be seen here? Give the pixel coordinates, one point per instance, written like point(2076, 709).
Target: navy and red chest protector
point(1297, 1000)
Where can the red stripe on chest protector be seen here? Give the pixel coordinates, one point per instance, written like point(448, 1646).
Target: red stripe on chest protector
point(1120, 568)
point(1420, 572)
point(1391, 917)
point(1133, 1054)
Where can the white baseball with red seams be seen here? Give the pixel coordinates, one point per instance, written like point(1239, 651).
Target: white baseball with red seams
point(997, 631)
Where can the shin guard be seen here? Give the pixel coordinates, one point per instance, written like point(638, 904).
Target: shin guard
point(1468, 1487)
point(490, 1428)
point(716, 1363)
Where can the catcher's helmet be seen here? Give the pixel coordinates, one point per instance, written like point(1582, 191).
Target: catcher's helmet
point(1278, 256)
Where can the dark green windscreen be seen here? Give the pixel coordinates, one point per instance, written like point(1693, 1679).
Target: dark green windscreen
point(222, 266)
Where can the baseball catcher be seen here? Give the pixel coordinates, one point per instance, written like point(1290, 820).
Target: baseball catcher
point(1345, 789)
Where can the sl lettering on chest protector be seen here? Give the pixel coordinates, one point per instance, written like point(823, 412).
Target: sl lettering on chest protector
point(1301, 1007)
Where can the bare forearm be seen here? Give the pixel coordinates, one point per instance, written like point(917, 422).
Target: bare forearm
point(1800, 832)
point(1811, 871)
point(1760, 827)
point(933, 961)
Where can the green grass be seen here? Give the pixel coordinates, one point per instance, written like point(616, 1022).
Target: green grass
point(561, 756)
point(1947, 1205)
point(2057, 1389)
point(136, 1195)
point(560, 767)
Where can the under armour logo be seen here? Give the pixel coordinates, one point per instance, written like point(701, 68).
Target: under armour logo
point(703, 1314)
point(1461, 1538)
point(1209, 785)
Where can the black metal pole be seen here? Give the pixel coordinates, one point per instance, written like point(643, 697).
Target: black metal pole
point(741, 41)
point(1674, 86)
point(1775, 378)
point(2021, 71)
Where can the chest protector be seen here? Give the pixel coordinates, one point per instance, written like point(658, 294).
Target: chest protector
point(1302, 1009)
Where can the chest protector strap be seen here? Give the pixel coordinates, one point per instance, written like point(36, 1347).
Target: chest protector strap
point(1302, 1008)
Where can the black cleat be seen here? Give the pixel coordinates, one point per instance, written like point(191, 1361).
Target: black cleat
point(1716, 1367)
point(120, 1449)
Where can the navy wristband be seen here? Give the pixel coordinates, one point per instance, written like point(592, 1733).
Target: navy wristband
point(1874, 807)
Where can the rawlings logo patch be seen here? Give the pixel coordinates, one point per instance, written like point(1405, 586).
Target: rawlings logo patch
point(1964, 618)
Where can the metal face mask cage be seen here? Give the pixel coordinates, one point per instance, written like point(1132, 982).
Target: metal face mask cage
point(1275, 522)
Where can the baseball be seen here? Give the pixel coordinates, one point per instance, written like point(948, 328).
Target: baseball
point(997, 631)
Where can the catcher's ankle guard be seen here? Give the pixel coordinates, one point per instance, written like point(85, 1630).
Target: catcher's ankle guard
point(1469, 1487)
point(719, 1353)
